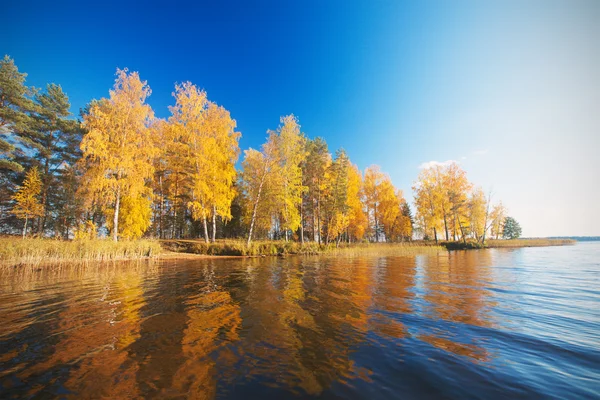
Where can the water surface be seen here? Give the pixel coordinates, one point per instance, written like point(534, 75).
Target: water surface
point(502, 323)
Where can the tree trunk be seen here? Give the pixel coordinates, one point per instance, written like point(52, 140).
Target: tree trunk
point(205, 229)
point(435, 235)
point(446, 227)
point(174, 227)
point(116, 216)
point(376, 223)
point(255, 208)
point(319, 217)
point(302, 222)
point(44, 198)
point(214, 224)
point(25, 227)
point(462, 232)
point(314, 218)
point(161, 209)
point(487, 214)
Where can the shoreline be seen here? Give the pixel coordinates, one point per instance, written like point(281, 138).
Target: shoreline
point(38, 252)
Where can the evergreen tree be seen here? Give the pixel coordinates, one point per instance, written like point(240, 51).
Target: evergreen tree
point(512, 229)
point(15, 104)
point(53, 140)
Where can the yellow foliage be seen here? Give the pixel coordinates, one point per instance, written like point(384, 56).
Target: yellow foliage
point(206, 150)
point(27, 204)
point(118, 149)
point(86, 231)
point(358, 223)
point(135, 217)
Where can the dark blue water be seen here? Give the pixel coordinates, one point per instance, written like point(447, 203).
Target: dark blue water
point(505, 323)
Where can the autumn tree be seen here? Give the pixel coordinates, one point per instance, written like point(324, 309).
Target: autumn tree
point(315, 173)
point(407, 221)
point(389, 203)
point(441, 194)
point(477, 210)
point(336, 183)
point(118, 148)
point(272, 179)
point(290, 147)
point(27, 204)
point(428, 200)
point(457, 188)
point(357, 218)
point(372, 187)
point(207, 143)
point(258, 182)
point(222, 143)
point(497, 218)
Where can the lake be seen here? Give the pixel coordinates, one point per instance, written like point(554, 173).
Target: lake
point(498, 323)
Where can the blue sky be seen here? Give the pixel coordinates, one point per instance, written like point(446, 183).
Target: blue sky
point(510, 89)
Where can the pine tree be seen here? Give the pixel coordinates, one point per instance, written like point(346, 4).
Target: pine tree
point(15, 104)
point(27, 204)
point(512, 229)
point(53, 141)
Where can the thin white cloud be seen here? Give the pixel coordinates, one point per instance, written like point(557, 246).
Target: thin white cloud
point(430, 164)
point(480, 152)
point(463, 158)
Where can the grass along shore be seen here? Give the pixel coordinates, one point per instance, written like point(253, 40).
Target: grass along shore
point(504, 243)
point(275, 248)
point(35, 251)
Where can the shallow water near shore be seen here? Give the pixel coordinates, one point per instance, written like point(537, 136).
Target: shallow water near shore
point(497, 323)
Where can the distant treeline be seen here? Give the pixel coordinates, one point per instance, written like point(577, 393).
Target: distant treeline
point(120, 171)
point(578, 238)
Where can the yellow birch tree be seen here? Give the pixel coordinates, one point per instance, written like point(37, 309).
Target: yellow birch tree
point(291, 149)
point(117, 148)
point(358, 223)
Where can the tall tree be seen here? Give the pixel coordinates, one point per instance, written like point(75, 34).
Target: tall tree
point(357, 223)
point(27, 204)
point(406, 222)
point(457, 188)
point(477, 214)
point(187, 125)
point(208, 144)
point(117, 148)
point(497, 217)
point(390, 201)
point(15, 105)
point(258, 183)
point(53, 141)
point(223, 146)
point(428, 200)
point(337, 196)
point(372, 188)
point(314, 170)
point(291, 154)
